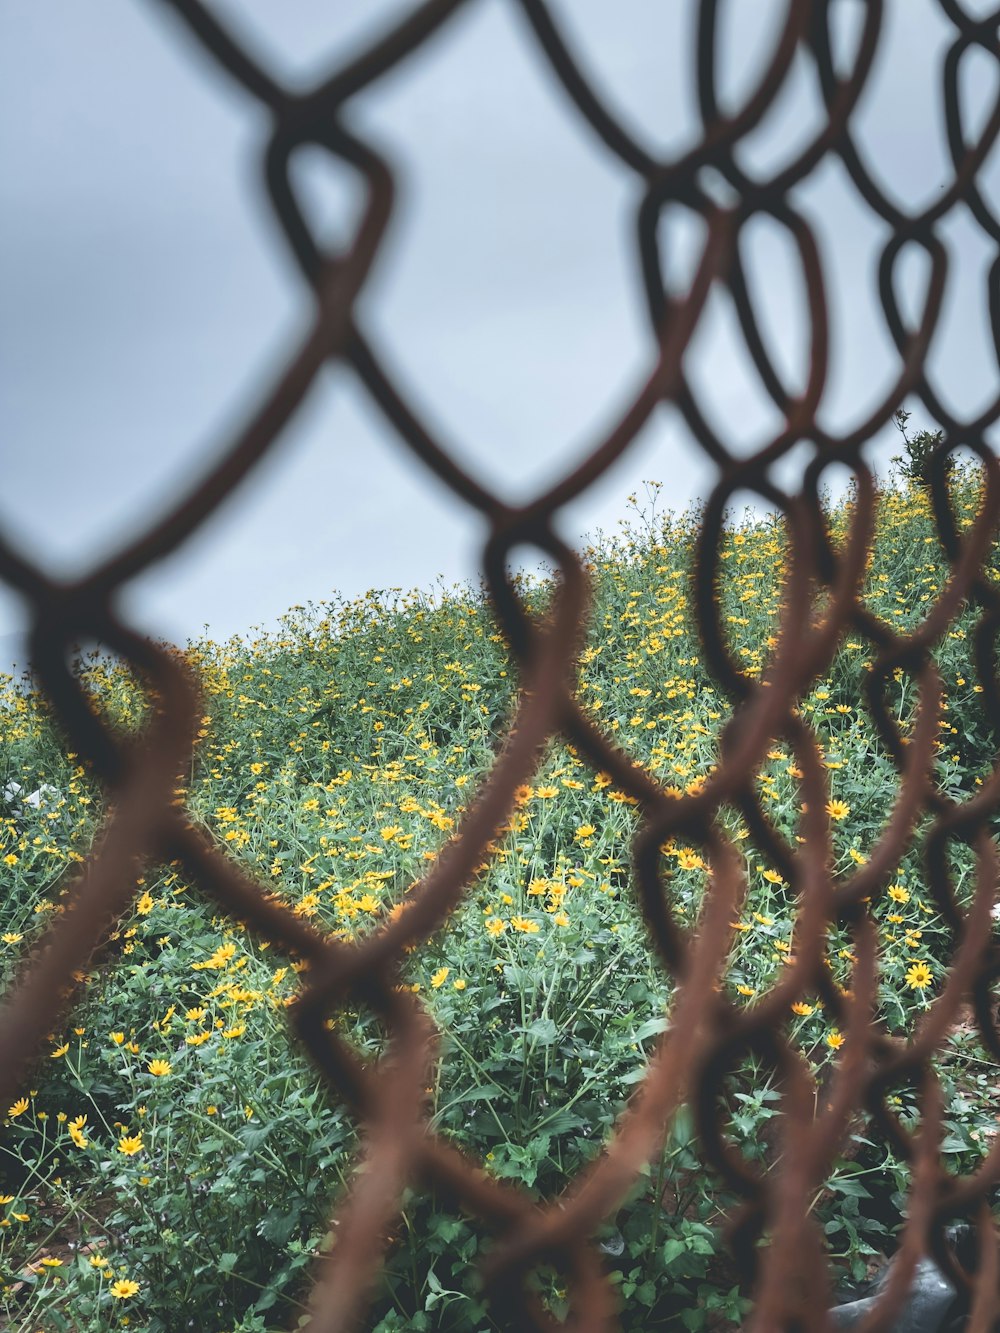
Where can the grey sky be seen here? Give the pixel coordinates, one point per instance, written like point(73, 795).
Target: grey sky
point(147, 297)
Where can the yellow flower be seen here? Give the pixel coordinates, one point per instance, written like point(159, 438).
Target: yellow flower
point(123, 1288)
point(78, 1137)
point(898, 894)
point(460, 984)
point(546, 793)
point(130, 1144)
point(773, 877)
point(7, 1198)
point(19, 1107)
point(585, 831)
point(49, 1262)
point(218, 959)
point(159, 1068)
point(145, 904)
point(118, 1038)
point(835, 1039)
point(838, 809)
point(195, 1015)
point(919, 976)
point(98, 1261)
point(524, 925)
point(11, 937)
point(440, 977)
point(496, 926)
point(802, 1009)
point(59, 1051)
point(689, 860)
point(198, 1038)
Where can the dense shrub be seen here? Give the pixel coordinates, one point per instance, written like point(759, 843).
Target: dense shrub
point(174, 1152)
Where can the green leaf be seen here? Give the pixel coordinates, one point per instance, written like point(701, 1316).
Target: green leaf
point(277, 1229)
point(543, 1032)
point(952, 1143)
point(483, 1094)
point(650, 1028)
point(673, 1249)
point(265, 1301)
point(850, 1186)
point(561, 1122)
point(634, 1075)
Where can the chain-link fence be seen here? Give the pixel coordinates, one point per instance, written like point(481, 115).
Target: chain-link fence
point(822, 602)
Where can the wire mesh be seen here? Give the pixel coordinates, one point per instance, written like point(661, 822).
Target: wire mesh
point(707, 1034)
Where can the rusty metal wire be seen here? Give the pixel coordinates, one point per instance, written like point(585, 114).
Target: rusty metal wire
point(707, 1035)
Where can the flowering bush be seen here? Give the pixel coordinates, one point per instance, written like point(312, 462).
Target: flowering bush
point(174, 1152)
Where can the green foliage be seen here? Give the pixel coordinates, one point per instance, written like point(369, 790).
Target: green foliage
point(919, 451)
point(336, 758)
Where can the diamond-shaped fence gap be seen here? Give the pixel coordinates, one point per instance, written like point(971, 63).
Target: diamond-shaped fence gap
point(340, 477)
point(330, 195)
point(743, 50)
point(966, 386)
point(794, 121)
point(846, 20)
point(657, 110)
point(724, 382)
point(978, 76)
point(898, 126)
point(788, 469)
point(863, 361)
point(527, 225)
point(681, 234)
point(790, 330)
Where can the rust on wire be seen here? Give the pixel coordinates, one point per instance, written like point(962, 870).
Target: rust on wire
point(707, 1035)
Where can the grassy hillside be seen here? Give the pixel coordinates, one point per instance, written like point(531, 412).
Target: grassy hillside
point(174, 1150)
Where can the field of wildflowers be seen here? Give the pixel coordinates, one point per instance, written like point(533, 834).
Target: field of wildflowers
point(174, 1151)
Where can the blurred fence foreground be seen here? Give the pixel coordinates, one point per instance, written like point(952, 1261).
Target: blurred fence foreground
point(788, 1275)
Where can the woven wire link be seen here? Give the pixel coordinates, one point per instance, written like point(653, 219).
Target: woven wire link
point(707, 1034)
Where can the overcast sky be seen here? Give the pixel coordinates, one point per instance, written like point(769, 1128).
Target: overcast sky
point(146, 295)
